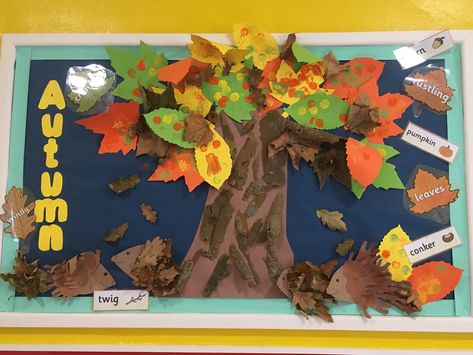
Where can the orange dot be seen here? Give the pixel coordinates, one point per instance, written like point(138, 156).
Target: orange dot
point(293, 82)
point(246, 85)
point(312, 120)
point(216, 144)
point(385, 254)
point(177, 126)
point(203, 148)
point(157, 119)
point(311, 104)
point(244, 31)
point(213, 80)
point(222, 102)
point(342, 117)
point(136, 92)
point(141, 66)
point(313, 85)
point(249, 99)
point(131, 73)
point(319, 122)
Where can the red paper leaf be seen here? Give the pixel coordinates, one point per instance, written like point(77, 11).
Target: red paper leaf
point(363, 161)
point(114, 125)
point(434, 280)
point(179, 162)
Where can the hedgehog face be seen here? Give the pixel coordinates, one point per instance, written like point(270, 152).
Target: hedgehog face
point(337, 286)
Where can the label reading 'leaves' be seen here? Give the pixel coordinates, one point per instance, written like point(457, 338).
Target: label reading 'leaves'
point(319, 111)
point(430, 192)
point(170, 125)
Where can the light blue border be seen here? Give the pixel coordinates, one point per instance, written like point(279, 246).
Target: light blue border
point(459, 307)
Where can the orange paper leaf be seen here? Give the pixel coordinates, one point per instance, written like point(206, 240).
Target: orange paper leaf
point(114, 125)
point(179, 162)
point(430, 192)
point(364, 162)
point(434, 280)
point(175, 72)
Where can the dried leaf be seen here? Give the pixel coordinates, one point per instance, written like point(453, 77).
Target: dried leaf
point(286, 53)
point(154, 270)
point(332, 161)
point(344, 247)
point(153, 100)
point(332, 220)
point(197, 130)
point(332, 66)
point(151, 144)
point(430, 192)
point(366, 282)
point(222, 270)
point(121, 185)
point(18, 213)
point(27, 278)
point(117, 233)
point(150, 215)
point(305, 284)
point(362, 117)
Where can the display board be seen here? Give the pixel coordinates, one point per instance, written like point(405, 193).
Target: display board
point(284, 179)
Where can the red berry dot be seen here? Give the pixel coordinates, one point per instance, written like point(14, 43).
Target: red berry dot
point(131, 73)
point(141, 66)
point(342, 117)
point(246, 85)
point(177, 126)
point(319, 122)
point(222, 102)
point(157, 119)
point(136, 92)
point(216, 144)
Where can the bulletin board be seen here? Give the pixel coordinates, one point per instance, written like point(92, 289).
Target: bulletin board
point(93, 209)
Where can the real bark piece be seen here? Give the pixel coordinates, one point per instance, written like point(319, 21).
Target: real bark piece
point(331, 161)
point(242, 231)
point(218, 232)
point(272, 263)
point(80, 275)
point(272, 225)
point(331, 219)
point(197, 130)
point(255, 235)
point(362, 117)
point(27, 278)
point(244, 127)
point(18, 213)
point(186, 271)
point(242, 265)
point(344, 247)
point(241, 165)
point(222, 270)
point(228, 136)
point(363, 280)
point(211, 214)
point(149, 213)
point(332, 66)
point(305, 284)
point(154, 270)
point(117, 233)
point(121, 185)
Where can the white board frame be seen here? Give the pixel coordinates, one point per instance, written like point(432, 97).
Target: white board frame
point(235, 321)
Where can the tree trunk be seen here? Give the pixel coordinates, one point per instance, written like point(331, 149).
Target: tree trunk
point(273, 244)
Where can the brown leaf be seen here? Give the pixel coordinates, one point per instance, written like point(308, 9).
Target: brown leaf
point(430, 192)
point(150, 215)
point(332, 161)
point(153, 101)
point(121, 185)
point(344, 247)
point(331, 64)
point(27, 278)
point(430, 88)
point(117, 233)
point(362, 118)
point(151, 144)
point(256, 93)
point(197, 130)
point(18, 214)
point(286, 52)
point(332, 220)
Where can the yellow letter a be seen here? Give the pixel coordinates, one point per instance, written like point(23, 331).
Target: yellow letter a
point(52, 95)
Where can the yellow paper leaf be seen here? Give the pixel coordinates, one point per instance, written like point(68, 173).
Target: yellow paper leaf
point(213, 160)
point(290, 86)
point(262, 44)
point(391, 251)
point(192, 100)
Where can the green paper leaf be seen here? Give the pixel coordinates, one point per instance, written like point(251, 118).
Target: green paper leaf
point(86, 102)
point(169, 125)
point(388, 178)
point(387, 152)
point(319, 111)
point(136, 69)
point(231, 94)
point(357, 188)
point(304, 55)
